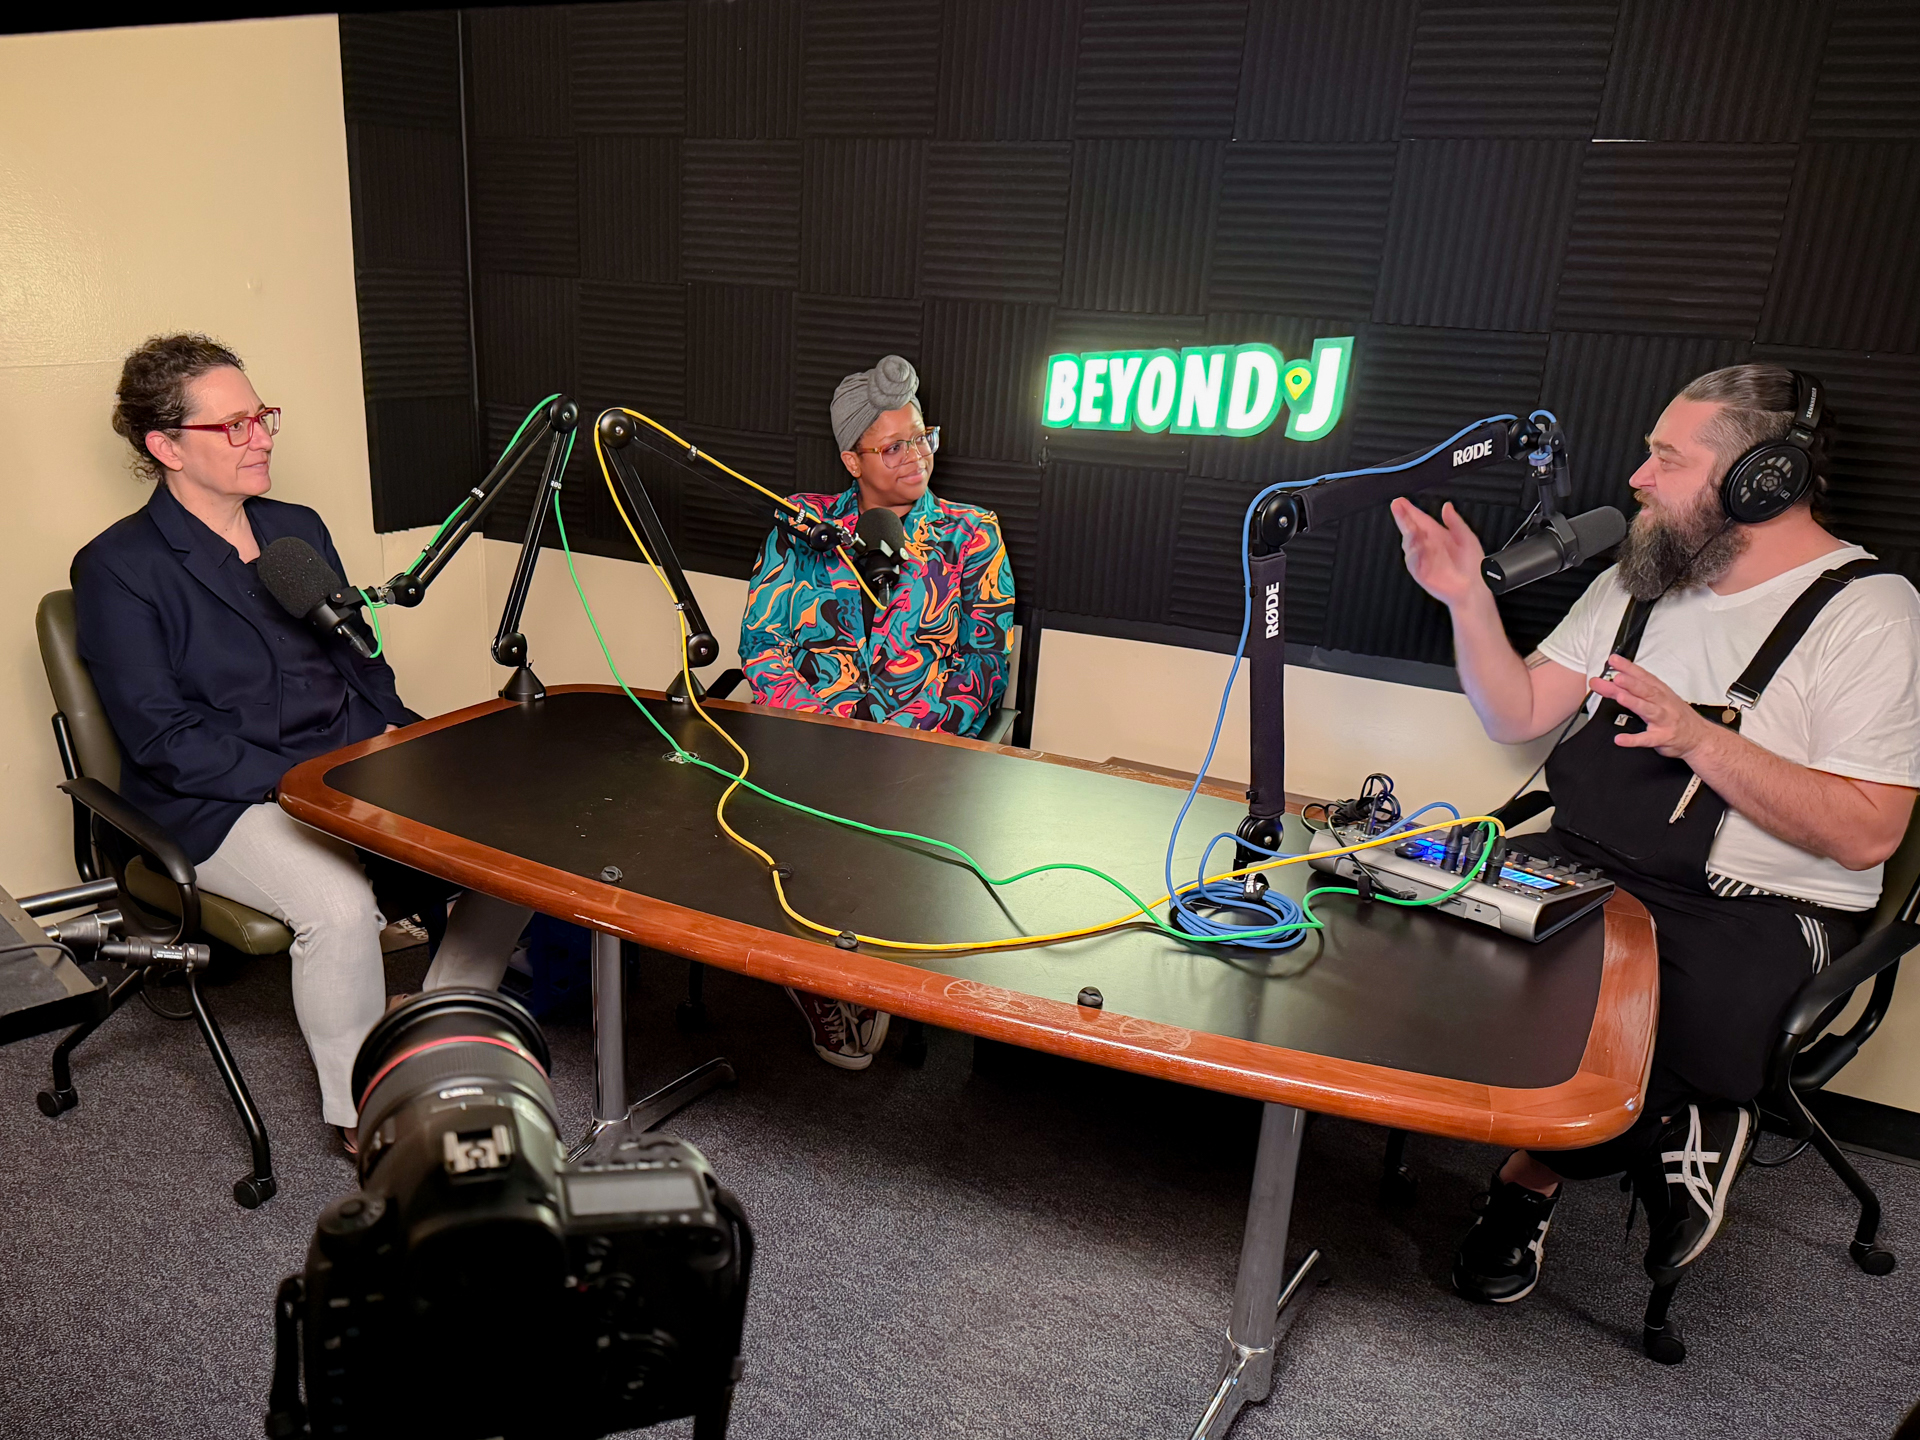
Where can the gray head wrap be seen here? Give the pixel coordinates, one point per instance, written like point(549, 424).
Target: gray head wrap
point(862, 398)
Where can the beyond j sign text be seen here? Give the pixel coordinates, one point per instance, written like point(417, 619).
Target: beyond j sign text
point(1209, 390)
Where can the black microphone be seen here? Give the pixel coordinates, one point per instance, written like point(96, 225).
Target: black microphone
point(298, 576)
point(881, 546)
point(1563, 544)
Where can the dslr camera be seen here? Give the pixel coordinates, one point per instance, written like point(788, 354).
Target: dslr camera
point(479, 1284)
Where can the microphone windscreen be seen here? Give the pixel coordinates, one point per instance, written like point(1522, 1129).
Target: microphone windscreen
point(879, 529)
point(297, 575)
point(1598, 530)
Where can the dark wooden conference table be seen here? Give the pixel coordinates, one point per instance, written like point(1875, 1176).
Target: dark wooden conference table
point(1393, 1016)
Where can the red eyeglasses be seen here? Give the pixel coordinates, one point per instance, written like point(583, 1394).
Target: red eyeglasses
point(240, 431)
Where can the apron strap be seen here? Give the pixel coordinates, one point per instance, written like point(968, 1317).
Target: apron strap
point(1633, 626)
point(1745, 692)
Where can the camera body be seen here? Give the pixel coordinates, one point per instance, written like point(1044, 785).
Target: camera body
point(480, 1285)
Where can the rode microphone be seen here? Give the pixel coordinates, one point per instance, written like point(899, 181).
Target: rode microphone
point(1563, 543)
point(299, 577)
point(882, 544)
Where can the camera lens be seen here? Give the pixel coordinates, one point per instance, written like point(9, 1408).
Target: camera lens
point(442, 1042)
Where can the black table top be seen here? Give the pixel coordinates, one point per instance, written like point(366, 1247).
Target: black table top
point(581, 781)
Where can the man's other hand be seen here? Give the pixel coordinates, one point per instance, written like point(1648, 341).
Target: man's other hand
point(1443, 555)
point(1674, 727)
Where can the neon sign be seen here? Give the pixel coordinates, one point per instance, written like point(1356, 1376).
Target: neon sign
point(1235, 390)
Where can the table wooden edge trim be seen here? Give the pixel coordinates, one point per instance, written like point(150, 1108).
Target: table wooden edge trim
point(1590, 1106)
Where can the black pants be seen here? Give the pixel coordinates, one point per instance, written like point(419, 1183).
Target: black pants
point(1728, 968)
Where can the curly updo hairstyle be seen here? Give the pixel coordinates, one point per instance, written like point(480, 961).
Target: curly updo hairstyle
point(152, 394)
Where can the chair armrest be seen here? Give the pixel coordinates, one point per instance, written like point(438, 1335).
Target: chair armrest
point(136, 825)
point(726, 683)
point(1809, 1010)
point(1523, 808)
point(999, 726)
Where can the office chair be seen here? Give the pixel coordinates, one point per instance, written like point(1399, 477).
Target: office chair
point(156, 894)
point(156, 897)
point(1804, 1058)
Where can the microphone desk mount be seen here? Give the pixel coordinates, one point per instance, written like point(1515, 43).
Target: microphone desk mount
point(620, 435)
point(554, 424)
point(617, 432)
point(1284, 517)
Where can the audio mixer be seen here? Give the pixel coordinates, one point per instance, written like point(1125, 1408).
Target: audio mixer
point(1528, 897)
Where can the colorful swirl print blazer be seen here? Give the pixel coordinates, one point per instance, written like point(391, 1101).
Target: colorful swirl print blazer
point(936, 656)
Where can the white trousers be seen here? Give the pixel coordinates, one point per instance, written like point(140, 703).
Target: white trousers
point(313, 884)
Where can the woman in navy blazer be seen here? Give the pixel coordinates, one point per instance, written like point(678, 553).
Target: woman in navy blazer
point(215, 692)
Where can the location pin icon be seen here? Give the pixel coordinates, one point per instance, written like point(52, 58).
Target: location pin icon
point(1297, 378)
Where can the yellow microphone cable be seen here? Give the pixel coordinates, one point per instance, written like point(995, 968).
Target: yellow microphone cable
point(779, 873)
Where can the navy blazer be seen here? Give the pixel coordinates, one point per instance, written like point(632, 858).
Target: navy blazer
point(185, 671)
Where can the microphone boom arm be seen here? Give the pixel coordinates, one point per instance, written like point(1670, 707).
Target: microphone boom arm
point(1286, 515)
point(409, 587)
point(509, 645)
point(617, 431)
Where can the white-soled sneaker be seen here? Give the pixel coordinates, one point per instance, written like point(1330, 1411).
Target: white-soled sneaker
point(830, 1023)
point(1499, 1259)
point(869, 1026)
point(1700, 1153)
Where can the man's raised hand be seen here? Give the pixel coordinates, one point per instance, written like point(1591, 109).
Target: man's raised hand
point(1443, 555)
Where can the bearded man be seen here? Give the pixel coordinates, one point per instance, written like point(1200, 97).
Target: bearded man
point(1753, 829)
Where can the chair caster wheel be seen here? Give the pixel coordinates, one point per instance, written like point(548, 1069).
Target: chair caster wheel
point(1870, 1258)
point(689, 1018)
point(1663, 1345)
point(54, 1103)
point(1399, 1187)
point(250, 1192)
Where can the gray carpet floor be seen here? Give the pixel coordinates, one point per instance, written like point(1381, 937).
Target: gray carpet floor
point(1027, 1248)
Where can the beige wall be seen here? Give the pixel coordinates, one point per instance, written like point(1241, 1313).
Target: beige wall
point(244, 231)
point(188, 177)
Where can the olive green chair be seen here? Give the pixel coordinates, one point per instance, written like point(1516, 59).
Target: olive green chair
point(88, 747)
point(156, 898)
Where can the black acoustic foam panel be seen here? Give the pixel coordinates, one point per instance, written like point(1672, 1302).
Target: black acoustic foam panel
point(1324, 70)
point(1007, 70)
point(1525, 70)
point(1866, 89)
point(401, 83)
point(714, 209)
point(1837, 282)
point(1300, 228)
point(861, 210)
point(630, 203)
point(1477, 233)
point(1713, 70)
point(1674, 238)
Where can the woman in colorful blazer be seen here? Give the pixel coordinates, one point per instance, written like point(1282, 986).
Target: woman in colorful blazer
point(931, 656)
point(935, 658)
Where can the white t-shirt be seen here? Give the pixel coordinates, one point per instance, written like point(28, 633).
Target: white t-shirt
point(1846, 700)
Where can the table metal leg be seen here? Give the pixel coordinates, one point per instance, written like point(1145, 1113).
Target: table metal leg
point(1263, 1308)
point(614, 1121)
point(609, 1031)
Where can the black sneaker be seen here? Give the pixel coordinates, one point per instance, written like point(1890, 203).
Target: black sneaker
point(1499, 1260)
point(1684, 1185)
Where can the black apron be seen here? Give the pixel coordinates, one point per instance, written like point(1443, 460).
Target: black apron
point(1635, 812)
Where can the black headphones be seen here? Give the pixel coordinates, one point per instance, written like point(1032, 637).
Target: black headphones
point(1775, 475)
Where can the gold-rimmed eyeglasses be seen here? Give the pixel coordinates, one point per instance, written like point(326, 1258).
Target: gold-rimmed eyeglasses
point(895, 455)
